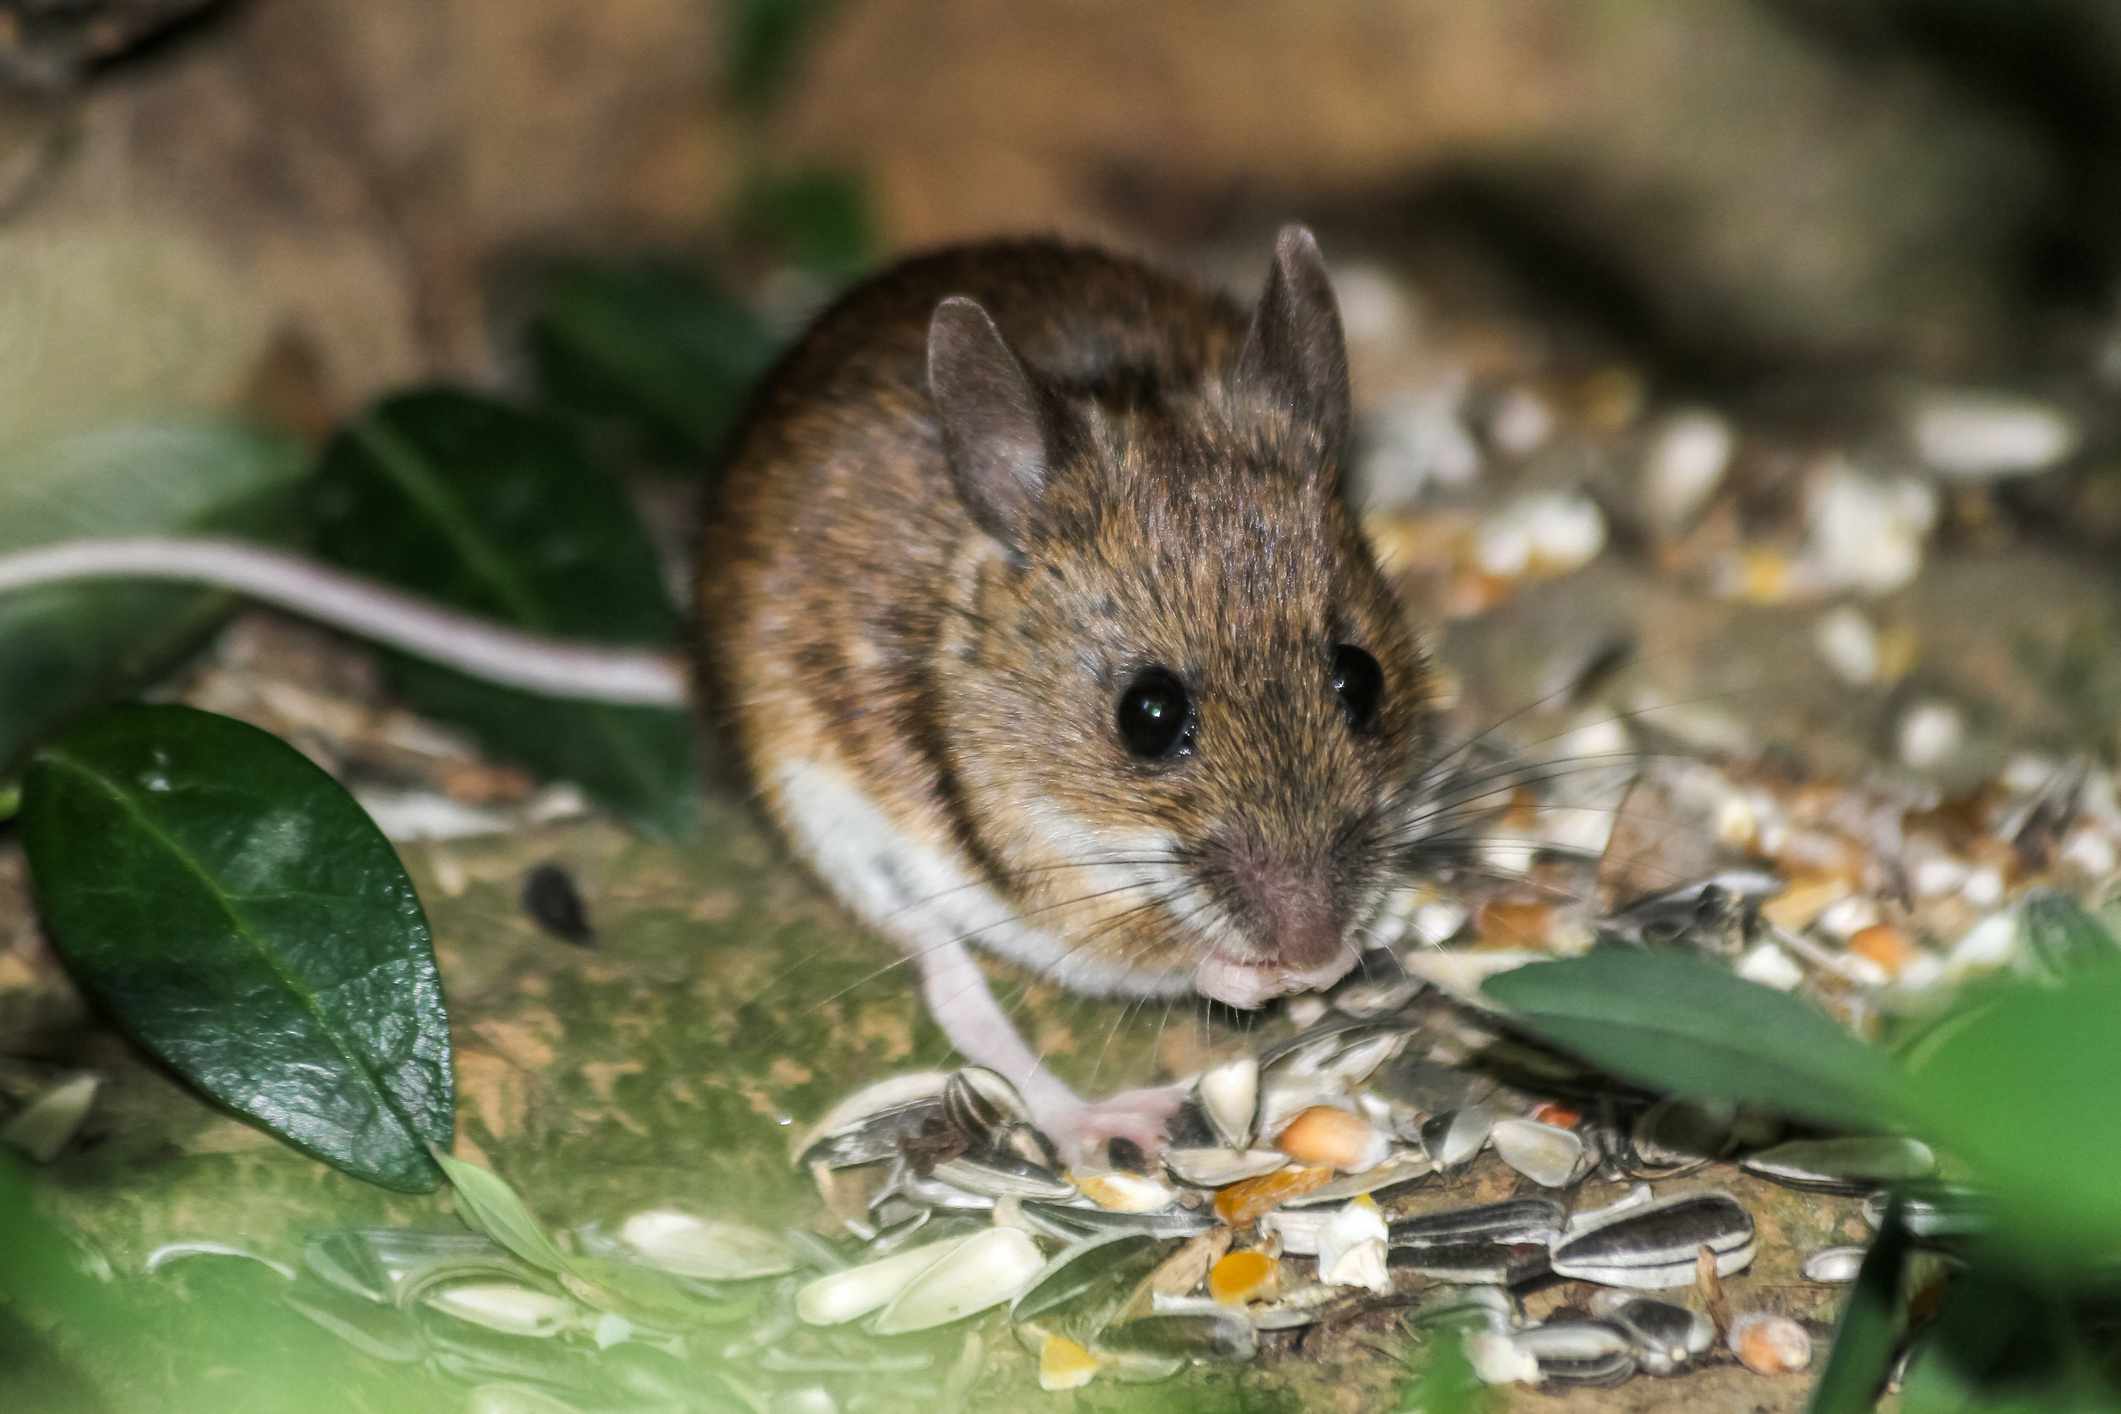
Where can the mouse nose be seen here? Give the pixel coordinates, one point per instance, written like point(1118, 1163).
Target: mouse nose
point(1301, 923)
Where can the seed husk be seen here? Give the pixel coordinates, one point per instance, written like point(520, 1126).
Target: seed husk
point(1550, 1156)
point(1847, 1164)
point(994, 1174)
point(1218, 1168)
point(1201, 1332)
point(1655, 1248)
point(709, 1249)
point(506, 1307)
point(871, 1123)
point(1404, 1168)
point(984, 1270)
point(1456, 1136)
point(1833, 1266)
point(1123, 1192)
point(1069, 1221)
point(1229, 1096)
point(845, 1295)
point(47, 1124)
point(1579, 1352)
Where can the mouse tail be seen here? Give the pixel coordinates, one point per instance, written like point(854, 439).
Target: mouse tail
point(552, 667)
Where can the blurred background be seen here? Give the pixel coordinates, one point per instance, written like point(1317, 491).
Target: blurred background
point(1780, 298)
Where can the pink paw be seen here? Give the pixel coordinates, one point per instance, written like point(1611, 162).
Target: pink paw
point(1080, 1129)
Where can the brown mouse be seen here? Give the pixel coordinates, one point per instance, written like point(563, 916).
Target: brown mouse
point(1043, 625)
point(1040, 623)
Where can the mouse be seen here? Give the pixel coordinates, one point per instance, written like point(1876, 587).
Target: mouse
point(1034, 608)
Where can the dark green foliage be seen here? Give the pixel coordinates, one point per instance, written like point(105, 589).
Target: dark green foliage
point(236, 911)
point(496, 511)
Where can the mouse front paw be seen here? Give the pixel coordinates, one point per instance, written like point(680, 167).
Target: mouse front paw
point(1082, 1129)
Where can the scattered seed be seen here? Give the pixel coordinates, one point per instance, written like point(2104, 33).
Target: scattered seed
point(1655, 1247)
point(1550, 1157)
point(1062, 1364)
point(47, 1124)
point(1833, 1266)
point(1244, 1277)
point(1242, 1204)
point(1769, 1344)
point(985, 1270)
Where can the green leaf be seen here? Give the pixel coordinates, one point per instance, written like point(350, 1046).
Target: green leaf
point(649, 350)
point(487, 1203)
point(1688, 1026)
point(69, 647)
point(1440, 1380)
point(2023, 1094)
point(237, 912)
point(1864, 1341)
point(496, 511)
point(819, 220)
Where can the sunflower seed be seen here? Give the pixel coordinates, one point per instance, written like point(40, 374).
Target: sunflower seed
point(1848, 1164)
point(1534, 1221)
point(1490, 1308)
point(1637, 1197)
point(1769, 1344)
point(384, 1264)
point(177, 1251)
point(1201, 1331)
point(1111, 1263)
point(1124, 1192)
point(1654, 1248)
point(1667, 1336)
point(1479, 1263)
point(1579, 1352)
point(871, 1123)
point(1681, 1133)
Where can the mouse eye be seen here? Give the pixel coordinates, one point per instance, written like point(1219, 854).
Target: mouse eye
point(1360, 682)
point(1155, 717)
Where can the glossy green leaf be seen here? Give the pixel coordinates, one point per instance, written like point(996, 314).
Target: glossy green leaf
point(1689, 1026)
point(487, 1203)
point(2024, 1094)
point(496, 511)
point(65, 648)
point(651, 352)
point(1869, 1329)
point(237, 912)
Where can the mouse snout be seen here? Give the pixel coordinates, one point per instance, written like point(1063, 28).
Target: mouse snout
point(1301, 926)
point(1287, 904)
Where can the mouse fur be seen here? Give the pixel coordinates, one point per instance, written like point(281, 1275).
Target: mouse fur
point(984, 495)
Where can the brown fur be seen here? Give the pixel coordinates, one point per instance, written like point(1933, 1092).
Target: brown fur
point(858, 616)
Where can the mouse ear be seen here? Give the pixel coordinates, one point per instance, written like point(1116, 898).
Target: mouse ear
point(996, 431)
point(1295, 354)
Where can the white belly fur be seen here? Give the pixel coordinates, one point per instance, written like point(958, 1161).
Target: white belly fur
point(925, 897)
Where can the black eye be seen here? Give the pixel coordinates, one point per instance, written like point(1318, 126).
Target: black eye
point(1155, 719)
point(1360, 682)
